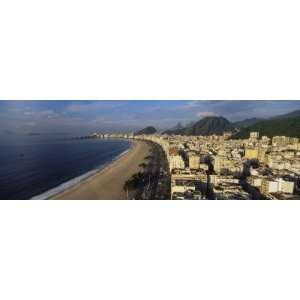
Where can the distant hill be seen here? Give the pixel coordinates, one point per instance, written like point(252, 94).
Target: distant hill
point(177, 127)
point(292, 114)
point(247, 122)
point(205, 126)
point(147, 130)
point(190, 124)
point(284, 125)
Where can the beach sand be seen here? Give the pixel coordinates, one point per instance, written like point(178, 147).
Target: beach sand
point(108, 183)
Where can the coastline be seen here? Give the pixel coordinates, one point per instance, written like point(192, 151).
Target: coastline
point(59, 189)
point(108, 182)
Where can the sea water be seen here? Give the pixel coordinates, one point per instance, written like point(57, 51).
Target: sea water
point(35, 168)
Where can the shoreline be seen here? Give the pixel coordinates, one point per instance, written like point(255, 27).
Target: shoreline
point(61, 188)
point(107, 183)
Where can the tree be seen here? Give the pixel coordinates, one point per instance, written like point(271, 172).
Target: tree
point(128, 186)
point(142, 165)
point(133, 183)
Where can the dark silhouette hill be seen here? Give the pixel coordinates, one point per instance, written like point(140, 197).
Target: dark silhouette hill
point(146, 130)
point(205, 126)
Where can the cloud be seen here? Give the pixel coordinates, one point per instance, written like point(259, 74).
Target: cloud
point(93, 106)
point(190, 104)
point(88, 116)
point(203, 114)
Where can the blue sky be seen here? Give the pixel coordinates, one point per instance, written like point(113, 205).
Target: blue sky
point(80, 117)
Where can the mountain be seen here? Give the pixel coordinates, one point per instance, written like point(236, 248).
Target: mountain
point(206, 126)
point(247, 122)
point(283, 125)
point(177, 127)
point(147, 130)
point(190, 124)
point(292, 114)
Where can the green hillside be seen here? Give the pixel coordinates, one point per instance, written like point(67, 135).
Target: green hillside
point(273, 127)
point(247, 122)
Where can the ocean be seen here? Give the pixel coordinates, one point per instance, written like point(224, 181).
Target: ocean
point(35, 168)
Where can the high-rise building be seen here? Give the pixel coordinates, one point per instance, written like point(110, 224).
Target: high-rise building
point(280, 140)
point(194, 161)
point(269, 186)
point(254, 135)
point(277, 185)
point(294, 140)
point(265, 140)
point(176, 162)
point(173, 150)
point(251, 153)
point(261, 155)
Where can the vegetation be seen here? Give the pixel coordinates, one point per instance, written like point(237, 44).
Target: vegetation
point(142, 165)
point(292, 114)
point(247, 122)
point(148, 157)
point(133, 183)
point(273, 127)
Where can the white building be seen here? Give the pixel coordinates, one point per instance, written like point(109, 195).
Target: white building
point(277, 185)
point(254, 135)
point(286, 187)
point(269, 186)
point(255, 181)
point(176, 162)
point(194, 161)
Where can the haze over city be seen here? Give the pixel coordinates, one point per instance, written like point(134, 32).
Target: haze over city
point(80, 117)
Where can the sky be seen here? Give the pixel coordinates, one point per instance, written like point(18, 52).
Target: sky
point(83, 117)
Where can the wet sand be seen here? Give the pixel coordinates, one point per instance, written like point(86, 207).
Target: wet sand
point(109, 182)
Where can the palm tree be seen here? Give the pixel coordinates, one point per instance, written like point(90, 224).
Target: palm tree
point(142, 165)
point(129, 185)
point(133, 183)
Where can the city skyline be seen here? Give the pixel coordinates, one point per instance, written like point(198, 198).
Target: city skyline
point(76, 117)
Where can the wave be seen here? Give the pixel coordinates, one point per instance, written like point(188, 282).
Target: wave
point(66, 185)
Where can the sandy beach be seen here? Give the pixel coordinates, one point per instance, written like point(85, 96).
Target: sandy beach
point(109, 182)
